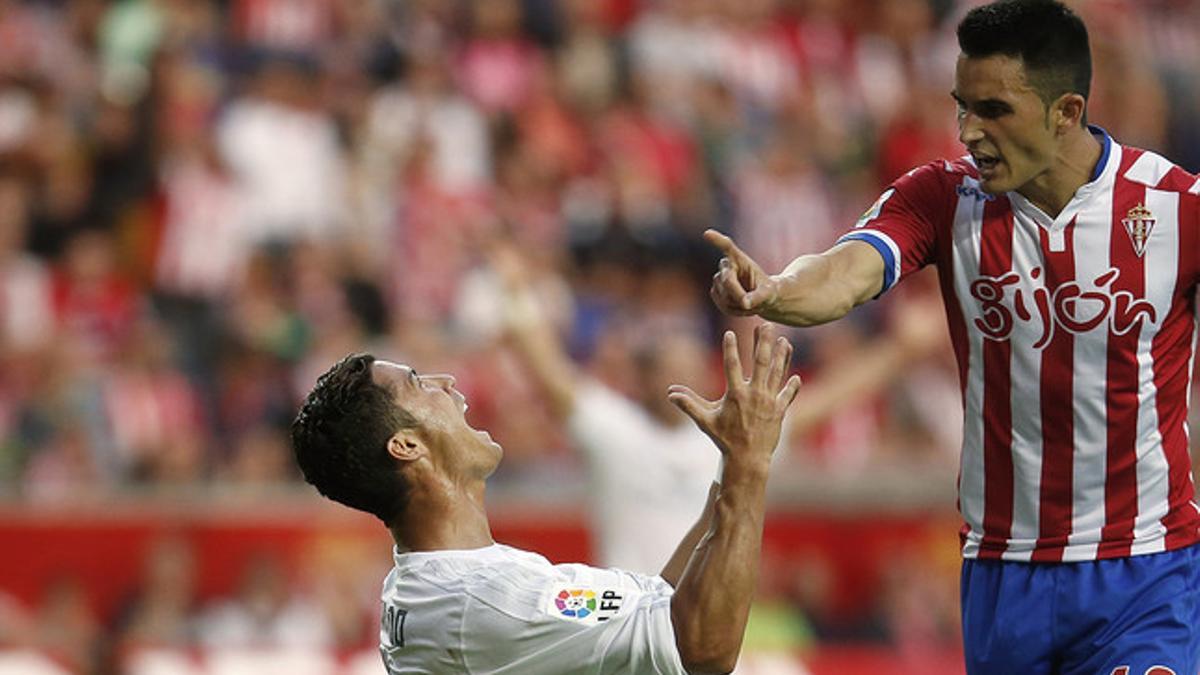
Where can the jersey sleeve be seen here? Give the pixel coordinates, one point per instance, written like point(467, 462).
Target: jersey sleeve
point(592, 621)
point(903, 224)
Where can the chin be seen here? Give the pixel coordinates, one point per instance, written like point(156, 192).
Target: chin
point(996, 186)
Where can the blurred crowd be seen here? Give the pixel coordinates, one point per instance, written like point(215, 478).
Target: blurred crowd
point(315, 615)
point(205, 203)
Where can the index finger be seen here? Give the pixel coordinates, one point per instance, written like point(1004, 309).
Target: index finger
point(724, 243)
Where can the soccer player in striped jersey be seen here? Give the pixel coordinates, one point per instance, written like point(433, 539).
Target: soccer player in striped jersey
point(1068, 266)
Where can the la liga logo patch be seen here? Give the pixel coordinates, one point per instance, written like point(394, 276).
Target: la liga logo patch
point(583, 604)
point(577, 603)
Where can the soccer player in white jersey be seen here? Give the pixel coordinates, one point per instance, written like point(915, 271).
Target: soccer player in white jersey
point(1068, 267)
point(379, 437)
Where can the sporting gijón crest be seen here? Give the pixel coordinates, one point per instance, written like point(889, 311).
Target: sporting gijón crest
point(1139, 222)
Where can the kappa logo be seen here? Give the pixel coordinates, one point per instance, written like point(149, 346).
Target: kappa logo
point(1139, 223)
point(587, 604)
point(972, 191)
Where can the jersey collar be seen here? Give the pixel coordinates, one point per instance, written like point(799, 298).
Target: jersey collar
point(1105, 150)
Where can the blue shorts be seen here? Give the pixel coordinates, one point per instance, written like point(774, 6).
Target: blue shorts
point(1125, 616)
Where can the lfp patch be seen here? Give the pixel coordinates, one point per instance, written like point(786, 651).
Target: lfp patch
point(576, 603)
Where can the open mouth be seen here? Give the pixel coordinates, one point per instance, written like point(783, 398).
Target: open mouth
point(985, 163)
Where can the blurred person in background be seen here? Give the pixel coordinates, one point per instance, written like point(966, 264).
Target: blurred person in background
point(161, 612)
point(636, 517)
point(265, 613)
point(66, 626)
point(282, 149)
point(1067, 276)
point(841, 427)
point(26, 309)
point(378, 437)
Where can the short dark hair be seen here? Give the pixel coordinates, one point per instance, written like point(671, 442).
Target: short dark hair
point(1050, 40)
point(340, 438)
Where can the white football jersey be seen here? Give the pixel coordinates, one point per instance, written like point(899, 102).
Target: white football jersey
point(503, 610)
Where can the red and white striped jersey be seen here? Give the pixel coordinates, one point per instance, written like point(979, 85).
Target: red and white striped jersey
point(1074, 337)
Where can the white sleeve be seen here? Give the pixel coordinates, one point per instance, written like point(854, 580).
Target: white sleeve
point(597, 621)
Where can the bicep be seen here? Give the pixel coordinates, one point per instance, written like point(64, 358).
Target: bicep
point(860, 268)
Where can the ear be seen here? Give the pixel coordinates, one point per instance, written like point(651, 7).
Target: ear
point(406, 445)
point(1068, 112)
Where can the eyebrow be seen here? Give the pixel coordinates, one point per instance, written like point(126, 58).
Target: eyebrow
point(994, 103)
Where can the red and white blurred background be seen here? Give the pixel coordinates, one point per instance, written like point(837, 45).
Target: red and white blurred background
point(203, 204)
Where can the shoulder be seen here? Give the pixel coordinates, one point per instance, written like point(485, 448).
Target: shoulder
point(1152, 170)
point(932, 184)
point(941, 172)
point(926, 194)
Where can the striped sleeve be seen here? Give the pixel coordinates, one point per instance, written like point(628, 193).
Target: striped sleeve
point(902, 224)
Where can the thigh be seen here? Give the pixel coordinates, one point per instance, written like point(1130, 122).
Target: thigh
point(1007, 617)
point(1134, 616)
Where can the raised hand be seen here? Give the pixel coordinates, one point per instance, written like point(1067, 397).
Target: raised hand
point(740, 286)
point(747, 419)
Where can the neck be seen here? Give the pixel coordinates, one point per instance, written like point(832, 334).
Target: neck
point(443, 517)
point(1073, 165)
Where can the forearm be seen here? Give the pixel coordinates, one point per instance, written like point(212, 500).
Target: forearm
point(817, 289)
point(542, 352)
point(713, 596)
point(860, 375)
point(683, 553)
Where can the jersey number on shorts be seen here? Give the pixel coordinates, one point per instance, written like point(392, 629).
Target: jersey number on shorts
point(1152, 670)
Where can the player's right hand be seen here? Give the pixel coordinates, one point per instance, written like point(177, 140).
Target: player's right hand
point(747, 419)
point(740, 287)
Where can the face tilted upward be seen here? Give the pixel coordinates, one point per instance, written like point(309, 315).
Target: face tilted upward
point(440, 410)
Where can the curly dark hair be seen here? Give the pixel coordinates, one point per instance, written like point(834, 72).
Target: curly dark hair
point(340, 439)
point(1050, 39)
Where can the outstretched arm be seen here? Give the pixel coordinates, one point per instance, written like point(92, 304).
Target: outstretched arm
point(811, 290)
point(533, 337)
point(917, 330)
point(713, 594)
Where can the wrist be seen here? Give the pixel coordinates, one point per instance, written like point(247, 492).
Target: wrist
point(745, 467)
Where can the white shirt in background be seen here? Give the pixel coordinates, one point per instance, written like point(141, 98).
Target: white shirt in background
point(648, 481)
